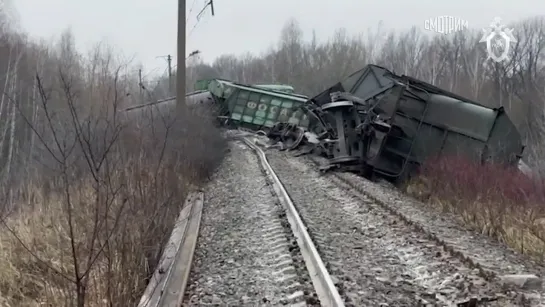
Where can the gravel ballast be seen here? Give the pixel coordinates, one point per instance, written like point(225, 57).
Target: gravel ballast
point(245, 254)
point(376, 258)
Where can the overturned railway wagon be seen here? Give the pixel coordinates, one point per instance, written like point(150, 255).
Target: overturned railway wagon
point(259, 106)
point(381, 123)
point(253, 106)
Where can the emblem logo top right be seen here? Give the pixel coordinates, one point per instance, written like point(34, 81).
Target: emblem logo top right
point(498, 39)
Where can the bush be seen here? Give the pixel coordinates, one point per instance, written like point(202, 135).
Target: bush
point(493, 199)
point(87, 225)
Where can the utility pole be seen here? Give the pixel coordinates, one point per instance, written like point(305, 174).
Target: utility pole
point(140, 85)
point(169, 60)
point(180, 72)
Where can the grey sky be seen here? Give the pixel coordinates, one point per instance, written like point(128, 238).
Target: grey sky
point(147, 28)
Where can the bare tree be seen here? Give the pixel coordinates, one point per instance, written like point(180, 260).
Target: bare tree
point(93, 192)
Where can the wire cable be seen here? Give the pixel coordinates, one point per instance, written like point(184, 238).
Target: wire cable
point(208, 3)
point(190, 11)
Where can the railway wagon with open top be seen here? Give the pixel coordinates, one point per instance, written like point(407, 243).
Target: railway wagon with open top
point(259, 106)
point(390, 124)
point(254, 106)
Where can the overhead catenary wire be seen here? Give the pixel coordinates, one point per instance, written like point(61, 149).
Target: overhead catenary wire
point(190, 11)
point(209, 3)
point(200, 14)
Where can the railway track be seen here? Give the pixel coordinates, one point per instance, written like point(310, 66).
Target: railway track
point(282, 234)
point(167, 284)
point(375, 257)
point(253, 249)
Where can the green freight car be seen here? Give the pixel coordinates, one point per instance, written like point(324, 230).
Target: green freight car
point(256, 107)
point(277, 87)
point(202, 85)
point(252, 106)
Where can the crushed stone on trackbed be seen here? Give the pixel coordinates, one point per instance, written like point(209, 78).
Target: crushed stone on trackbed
point(494, 259)
point(244, 255)
point(375, 258)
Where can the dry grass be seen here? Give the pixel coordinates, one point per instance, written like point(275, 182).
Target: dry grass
point(491, 199)
point(93, 238)
point(36, 251)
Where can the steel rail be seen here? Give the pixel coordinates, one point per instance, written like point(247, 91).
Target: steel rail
point(322, 281)
point(168, 289)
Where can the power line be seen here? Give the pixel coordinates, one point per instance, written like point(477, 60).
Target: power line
point(209, 3)
point(191, 31)
point(190, 11)
point(200, 14)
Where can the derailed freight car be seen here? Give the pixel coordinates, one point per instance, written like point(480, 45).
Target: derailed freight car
point(258, 107)
point(380, 123)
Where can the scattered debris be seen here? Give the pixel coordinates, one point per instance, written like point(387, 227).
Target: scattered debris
point(523, 281)
point(289, 135)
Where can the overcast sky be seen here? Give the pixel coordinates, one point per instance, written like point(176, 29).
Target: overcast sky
point(147, 28)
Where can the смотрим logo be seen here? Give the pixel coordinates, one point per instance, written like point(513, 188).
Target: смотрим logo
point(445, 24)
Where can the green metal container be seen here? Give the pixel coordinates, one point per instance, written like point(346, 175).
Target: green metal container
point(202, 85)
point(205, 84)
point(221, 88)
point(276, 87)
point(253, 106)
point(257, 106)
